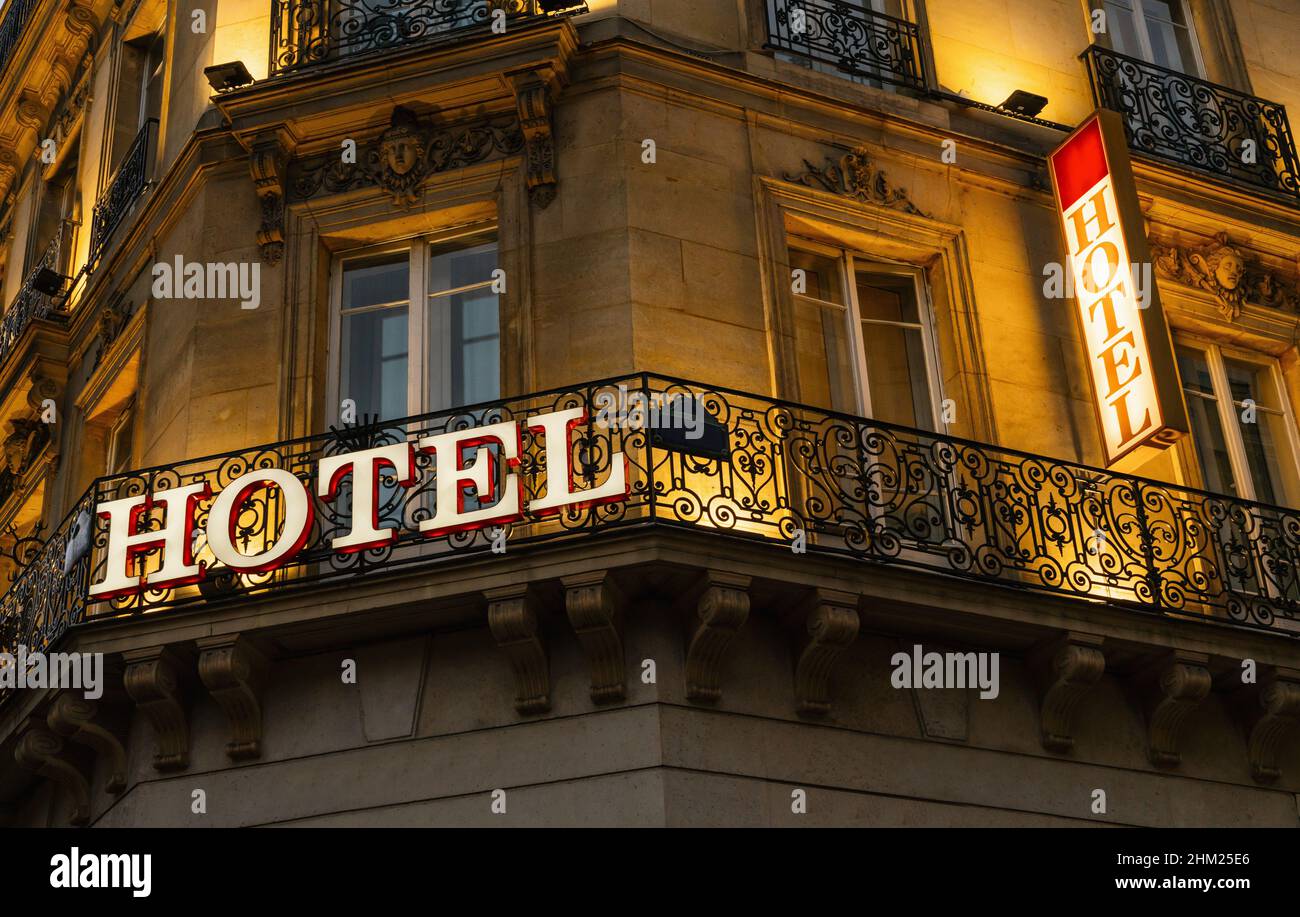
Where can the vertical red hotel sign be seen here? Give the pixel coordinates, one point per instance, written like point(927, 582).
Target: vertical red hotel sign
point(1130, 353)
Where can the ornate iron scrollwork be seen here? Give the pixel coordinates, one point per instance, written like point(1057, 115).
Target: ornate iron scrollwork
point(1197, 124)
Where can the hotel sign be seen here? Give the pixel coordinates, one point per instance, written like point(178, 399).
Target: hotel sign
point(477, 482)
point(1130, 354)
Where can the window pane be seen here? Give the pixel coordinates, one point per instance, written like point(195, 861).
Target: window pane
point(1207, 428)
point(825, 360)
point(476, 347)
point(885, 298)
point(376, 284)
point(1251, 381)
point(1194, 371)
point(897, 377)
point(464, 348)
point(451, 270)
point(1171, 46)
point(375, 362)
point(1121, 26)
point(822, 276)
point(374, 343)
point(1263, 431)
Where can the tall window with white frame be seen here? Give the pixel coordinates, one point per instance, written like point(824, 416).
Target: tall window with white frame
point(396, 360)
point(1243, 430)
point(864, 337)
point(416, 331)
point(1160, 32)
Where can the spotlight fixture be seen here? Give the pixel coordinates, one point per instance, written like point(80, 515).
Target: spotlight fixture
point(1024, 103)
point(48, 282)
point(224, 77)
point(551, 7)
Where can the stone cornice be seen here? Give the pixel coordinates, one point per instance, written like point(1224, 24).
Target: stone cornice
point(314, 109)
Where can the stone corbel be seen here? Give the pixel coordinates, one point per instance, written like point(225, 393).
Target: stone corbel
point(1068, 668)
point(1176, 687)
point(1272, 713)
point(720, 612)
point(828, 626)
point(44, 754)
point(157, 680)
point(595, 608)
point(512, 618)
point(32, 112)
point(535, 92)
point(267, 160)
point(76, 717)
point(234, 670)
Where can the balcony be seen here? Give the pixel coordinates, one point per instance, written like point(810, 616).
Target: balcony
point(856, 41)
point(16, 15)
point(1198, 125)
point(761, 470)
point(307, 33)
point(124, 189)
point(32, 303)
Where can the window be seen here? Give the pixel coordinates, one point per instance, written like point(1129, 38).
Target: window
point(117, 452)
point(139, 92)
point(1243, 432)
point(395, 361)
point(864, 338)
point(1157, 31)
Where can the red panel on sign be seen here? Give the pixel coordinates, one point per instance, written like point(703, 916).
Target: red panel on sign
point(1079, 164)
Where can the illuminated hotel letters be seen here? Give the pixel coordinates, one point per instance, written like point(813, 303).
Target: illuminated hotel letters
point(465, 467)
point(1129, 351)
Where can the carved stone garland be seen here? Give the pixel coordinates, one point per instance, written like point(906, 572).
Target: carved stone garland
point(854, 175)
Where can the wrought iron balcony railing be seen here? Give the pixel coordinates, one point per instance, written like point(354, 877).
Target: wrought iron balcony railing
point(12, 26)
point(128, 183)
point(857, 41)
point(31, 303)
point(763, 470)
point(309, 32)
point(1196, 124)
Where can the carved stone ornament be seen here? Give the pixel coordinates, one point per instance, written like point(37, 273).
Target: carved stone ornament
point(266, 163)
point(403, 156)
point(855, 176)
point(1225, 270)
point(720, 612)
point(513, 620)
point(1068, 670)
point(533, 96)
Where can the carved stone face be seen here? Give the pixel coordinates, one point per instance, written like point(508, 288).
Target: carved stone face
point(1230, 269)
point(401, 151)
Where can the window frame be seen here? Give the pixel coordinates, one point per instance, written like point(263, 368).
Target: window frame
point(849, 262)
point(1144, 35)
point(1229, 420)
point(420, 390)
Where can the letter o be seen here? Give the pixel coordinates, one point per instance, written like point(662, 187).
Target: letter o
point(223, 516)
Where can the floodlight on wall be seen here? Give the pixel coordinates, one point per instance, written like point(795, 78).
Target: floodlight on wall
point(551, 7)
point(224, 77)
point(1024, 103)
point(49, 282)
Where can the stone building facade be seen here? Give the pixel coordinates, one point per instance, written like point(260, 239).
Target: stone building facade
point(828, 226)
